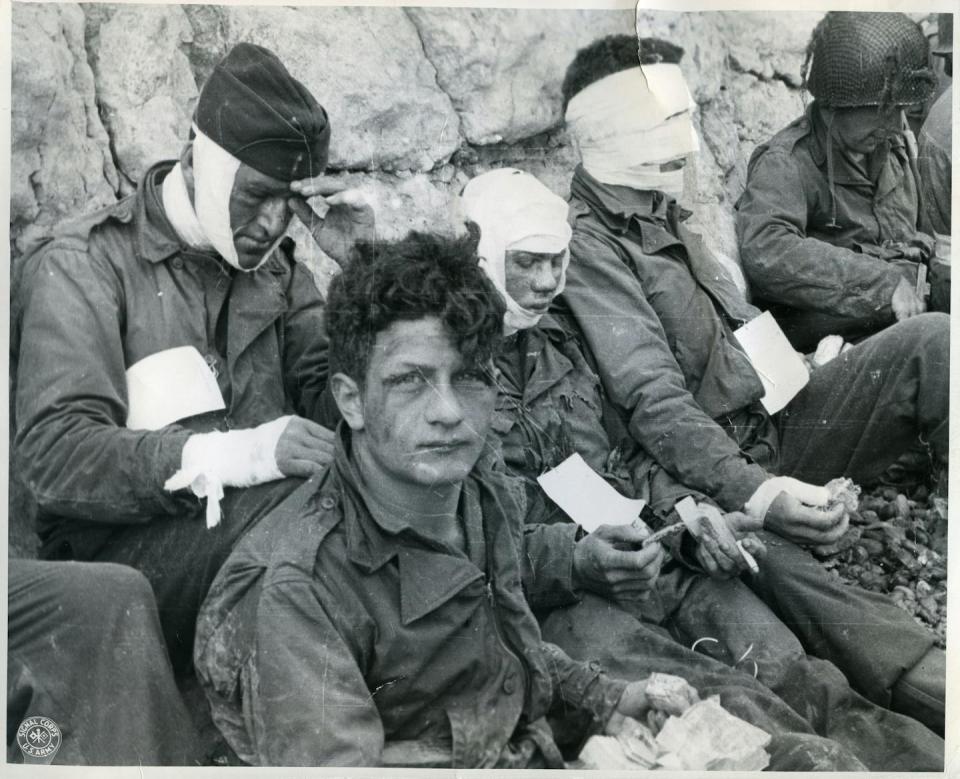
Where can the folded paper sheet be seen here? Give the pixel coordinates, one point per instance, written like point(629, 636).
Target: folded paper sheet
point(586, 498)
point(169, 386)
point(781, 370)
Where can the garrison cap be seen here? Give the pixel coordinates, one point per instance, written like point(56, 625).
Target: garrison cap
point(252, 107)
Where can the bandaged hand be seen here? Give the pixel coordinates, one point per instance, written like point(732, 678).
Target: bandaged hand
point(288, 446)
point(798, 511)
point(349, 218)
point(610, 562)
point(664, 694)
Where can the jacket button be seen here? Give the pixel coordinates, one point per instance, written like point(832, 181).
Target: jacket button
point(510, 683)
point(177, 263)
point(326, 502)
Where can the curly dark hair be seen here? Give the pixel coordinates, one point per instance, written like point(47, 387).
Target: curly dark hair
point(612, 54)
point(418, 276)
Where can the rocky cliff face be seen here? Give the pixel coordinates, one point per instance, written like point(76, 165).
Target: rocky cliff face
point(420, 99)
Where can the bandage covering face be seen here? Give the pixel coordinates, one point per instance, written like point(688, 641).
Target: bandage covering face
point(515, 212)
point(629, 123)
point(206, 223)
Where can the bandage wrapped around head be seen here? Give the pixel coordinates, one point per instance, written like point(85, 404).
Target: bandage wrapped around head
point(629, 123)
point(515, 212)
point(250, 111)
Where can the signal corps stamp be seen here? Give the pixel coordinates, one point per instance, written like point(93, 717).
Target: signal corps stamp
point(39, 738)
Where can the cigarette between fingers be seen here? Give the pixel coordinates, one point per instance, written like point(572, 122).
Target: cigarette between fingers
point(748, 558)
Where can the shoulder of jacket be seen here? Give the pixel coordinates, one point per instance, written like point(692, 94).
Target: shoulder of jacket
point(74, 234)
point(785, 141)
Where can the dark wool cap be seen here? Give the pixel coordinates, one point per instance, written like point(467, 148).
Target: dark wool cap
point(263, 116)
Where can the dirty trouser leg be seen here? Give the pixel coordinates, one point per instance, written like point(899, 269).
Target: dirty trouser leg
point(863, 633)
point(743, 625)
point(596, 629)
point(180, 557)
point(85, 650)
point(868, 406)
point(857, 415)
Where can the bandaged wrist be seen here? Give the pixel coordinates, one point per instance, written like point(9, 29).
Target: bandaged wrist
point(238, 458)
point(766, 494)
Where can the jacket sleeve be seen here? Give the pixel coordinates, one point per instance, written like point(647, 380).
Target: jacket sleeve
point(582, 685)
point(305, 366)
point(77, 455)
point(784, 265)
point(310, 705)
point(547, 566)
point(935, 164)
point(642, 378)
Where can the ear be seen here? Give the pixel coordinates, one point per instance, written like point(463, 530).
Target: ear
point(347, 394)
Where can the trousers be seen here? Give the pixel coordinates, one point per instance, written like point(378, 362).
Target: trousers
point(85, 650)
point(178, 555)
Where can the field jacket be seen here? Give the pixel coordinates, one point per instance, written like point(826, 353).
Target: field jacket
point(117, 286)
point(332, 637)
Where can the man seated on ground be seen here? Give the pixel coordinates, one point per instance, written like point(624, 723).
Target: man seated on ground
point(658, 312)
point(551, 404)
point(828, 223)
point(378, 616)
point(84, 649)
point(171, 346)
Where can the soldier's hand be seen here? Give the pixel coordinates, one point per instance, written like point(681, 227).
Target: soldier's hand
point(610, 562)
point(662, 693)
point(805, 525)
point(349, 219)
point(717, 548)
point(905, 302)
point(304, 448)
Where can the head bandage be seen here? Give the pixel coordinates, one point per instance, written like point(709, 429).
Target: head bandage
point(629, 123)
point(207, 223)
point(515, 212)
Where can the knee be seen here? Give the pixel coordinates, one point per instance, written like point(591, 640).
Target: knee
point(102, 589)
point(928, 333)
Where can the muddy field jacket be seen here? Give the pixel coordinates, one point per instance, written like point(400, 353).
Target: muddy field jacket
point(118, 286)
point(331, 637)
point(794, 253)
point(657, 313)
point(935, 162)
point(551, 403)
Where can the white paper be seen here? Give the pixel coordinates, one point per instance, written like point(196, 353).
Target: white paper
point(586, 498)
point(781, 370)
point(169, 386)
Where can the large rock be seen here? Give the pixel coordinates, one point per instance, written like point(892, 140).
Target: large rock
point(503, 68)
point(367, 67)
point(60, 156)
point(145, 85)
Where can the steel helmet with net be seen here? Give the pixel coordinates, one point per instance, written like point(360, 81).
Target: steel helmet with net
point(868, 59)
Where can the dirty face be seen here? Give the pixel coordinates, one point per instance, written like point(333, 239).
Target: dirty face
point(259, 214)
point(862, 129)
point(532, 279)
point(424, 411)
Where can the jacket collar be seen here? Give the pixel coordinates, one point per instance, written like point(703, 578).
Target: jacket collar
point(156, 237)
point(655, 215)
point(430, 573)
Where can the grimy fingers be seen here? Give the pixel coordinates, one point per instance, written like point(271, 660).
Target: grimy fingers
point(321, 185)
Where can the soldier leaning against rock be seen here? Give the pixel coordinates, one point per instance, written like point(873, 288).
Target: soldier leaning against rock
point(183, 301)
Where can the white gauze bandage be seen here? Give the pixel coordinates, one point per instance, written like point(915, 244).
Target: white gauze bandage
point(515, 212)
point(238, 458)
point(629, 123)
point(214, 173)
point(766, 493)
